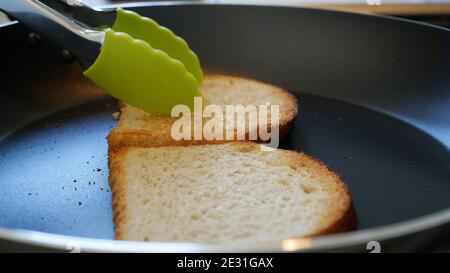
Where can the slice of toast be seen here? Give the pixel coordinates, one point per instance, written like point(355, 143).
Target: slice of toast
point(138, 128)
point(225, 193)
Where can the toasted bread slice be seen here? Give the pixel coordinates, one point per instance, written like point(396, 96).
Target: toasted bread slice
point(225, 193)
point(137, 128)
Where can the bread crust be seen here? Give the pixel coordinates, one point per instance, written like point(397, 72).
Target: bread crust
point(342, 218)
point(121, 136)
point(116, 177)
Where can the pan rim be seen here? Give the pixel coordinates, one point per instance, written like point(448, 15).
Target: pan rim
point(227, 3)
point(235, 4)
point(405, 228)
point(58, 242)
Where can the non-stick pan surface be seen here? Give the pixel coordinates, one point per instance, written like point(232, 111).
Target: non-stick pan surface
point(374, 103)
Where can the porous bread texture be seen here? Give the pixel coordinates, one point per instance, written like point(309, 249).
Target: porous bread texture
point(230, 193)
point(137, 128)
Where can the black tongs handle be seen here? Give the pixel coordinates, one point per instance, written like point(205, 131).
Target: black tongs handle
point(84, 43)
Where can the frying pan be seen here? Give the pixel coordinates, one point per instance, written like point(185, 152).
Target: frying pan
point(374, 103)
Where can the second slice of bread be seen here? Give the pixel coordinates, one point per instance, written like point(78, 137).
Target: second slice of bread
point(225, 193)
point(137, 128)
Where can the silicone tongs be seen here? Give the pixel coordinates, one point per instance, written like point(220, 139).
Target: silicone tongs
point(137, 61)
